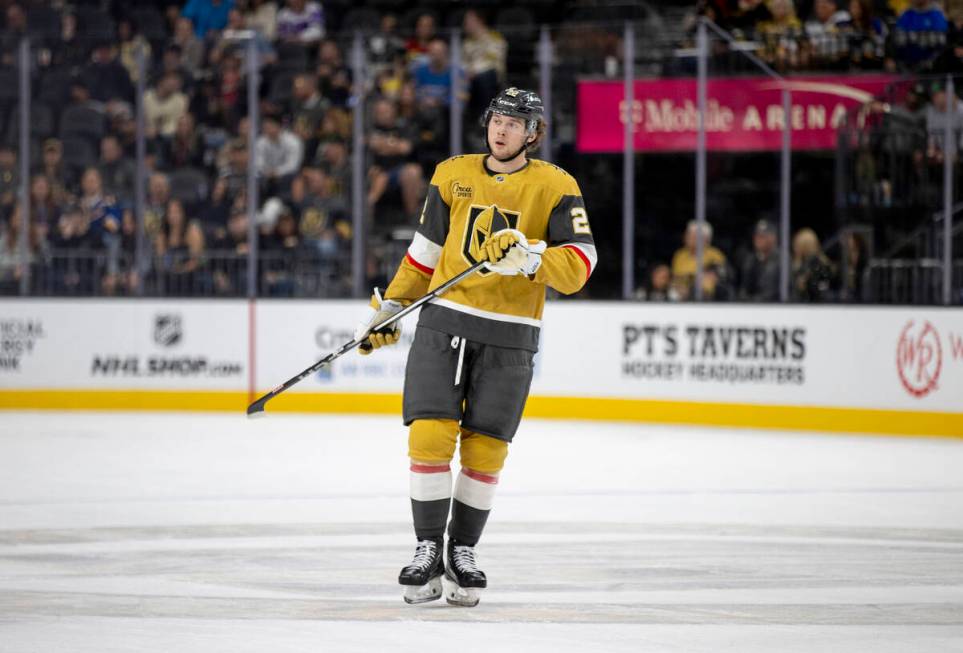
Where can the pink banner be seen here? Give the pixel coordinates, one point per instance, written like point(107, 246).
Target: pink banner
point(742, 114)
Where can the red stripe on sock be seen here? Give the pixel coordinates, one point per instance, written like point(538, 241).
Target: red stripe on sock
point(478, 476)
point(424, 268)
point(430, 469)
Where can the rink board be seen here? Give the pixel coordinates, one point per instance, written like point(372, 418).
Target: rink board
point(854, 369)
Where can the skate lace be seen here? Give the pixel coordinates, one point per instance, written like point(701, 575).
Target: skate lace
point(424, 554)
point(464, 558)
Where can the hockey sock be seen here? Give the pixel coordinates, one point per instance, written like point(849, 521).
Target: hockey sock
point(430, 498)
point(474, 496)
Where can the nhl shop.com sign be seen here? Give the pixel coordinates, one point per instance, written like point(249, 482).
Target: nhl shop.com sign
point(167, 333)
point(742, 114)
point(714, 353)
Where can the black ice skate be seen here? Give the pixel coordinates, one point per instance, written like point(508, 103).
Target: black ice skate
point(422, 577)
point(464, 578)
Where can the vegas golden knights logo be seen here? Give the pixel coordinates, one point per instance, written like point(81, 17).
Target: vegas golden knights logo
point(483, 221)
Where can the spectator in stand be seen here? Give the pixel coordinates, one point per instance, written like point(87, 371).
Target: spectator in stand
point(100, 210)
point(334, 78)
point(69, 48)
point(301, 21)
point(231, 184)
point(172, 230)
point(827, 46)
point(229, 93)
point(262, 17)
point(130, 40)
point(433, 77)
point(950, 59)
point(163, 106)
point(72, 230)
point(44, 208)
point(920, 33)
point(812, 272)
point(185, 263)
point(12, 265)
point(391, 143)
point(781, 35)
point(659, 288)
point(684, 264)
point(106, 77)
point(759, 281)
point(155, 207)
point(9, 180)
point(278, 155)
point(185, 149)
point(483, 55)
point(236, 25)
point(857, 253)
point(15, 29)
point(173, 62)
point(936, 119)
point(416, 48)
point(308, 107)
point(191, 47)
point(747, 15)
point(385, 46)
point(430, 125)
point(867, 35)
point(334, 160)
point(53, 169)
point(207, 16)
point(229, 272)
point(323, 214)
point(118, 173)
point(284, 250)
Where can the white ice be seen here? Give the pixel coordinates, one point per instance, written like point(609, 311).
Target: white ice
point(205, 533)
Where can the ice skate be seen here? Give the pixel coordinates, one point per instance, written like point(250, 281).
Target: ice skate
point(463, 578)
point(422, 577)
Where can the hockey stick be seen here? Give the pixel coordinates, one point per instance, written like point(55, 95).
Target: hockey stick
point(258, 406)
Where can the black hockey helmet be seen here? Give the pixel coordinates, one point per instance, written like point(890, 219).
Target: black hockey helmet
point(517, 103)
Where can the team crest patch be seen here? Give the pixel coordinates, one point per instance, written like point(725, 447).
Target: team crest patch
point(482, 222)
point(464, 192)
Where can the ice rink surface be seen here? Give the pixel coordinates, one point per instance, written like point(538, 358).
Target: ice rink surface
point(207, 533)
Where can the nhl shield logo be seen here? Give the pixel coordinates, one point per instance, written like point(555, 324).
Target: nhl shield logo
point(483, 221)
point(168, 330)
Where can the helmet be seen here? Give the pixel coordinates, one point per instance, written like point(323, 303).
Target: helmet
point(517, 103)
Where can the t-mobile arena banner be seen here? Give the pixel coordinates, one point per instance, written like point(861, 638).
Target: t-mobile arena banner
point(742, 114)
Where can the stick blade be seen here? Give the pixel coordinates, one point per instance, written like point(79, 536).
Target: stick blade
point(257, 408)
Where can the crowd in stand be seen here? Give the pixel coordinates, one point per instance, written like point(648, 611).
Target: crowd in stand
point(198, 147)
point(86, 62)
point(892, 35)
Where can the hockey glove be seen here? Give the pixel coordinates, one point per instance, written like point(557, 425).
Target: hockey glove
point(520, 257)
point(498, 244)
point(376, 339)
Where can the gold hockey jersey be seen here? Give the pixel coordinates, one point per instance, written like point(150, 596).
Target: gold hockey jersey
point(542, 201)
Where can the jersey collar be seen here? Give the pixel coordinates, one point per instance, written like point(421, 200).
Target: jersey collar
point(492, 173)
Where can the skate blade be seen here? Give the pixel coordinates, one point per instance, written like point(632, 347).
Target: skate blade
point(430, 591)
point(464, 597)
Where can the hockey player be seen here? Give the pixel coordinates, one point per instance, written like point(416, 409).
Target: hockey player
point(470, 366)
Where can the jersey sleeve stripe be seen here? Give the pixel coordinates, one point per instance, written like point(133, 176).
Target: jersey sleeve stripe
point(421, 268)
point(587, 254)
point(424, 254)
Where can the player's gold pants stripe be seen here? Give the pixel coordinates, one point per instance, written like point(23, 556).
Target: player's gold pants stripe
point(796, 418)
